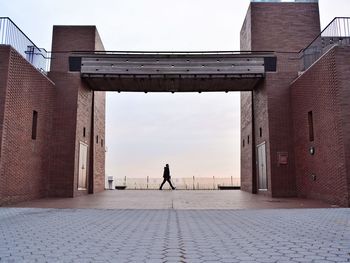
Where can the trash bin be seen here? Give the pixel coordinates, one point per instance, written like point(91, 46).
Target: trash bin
point(110, 182)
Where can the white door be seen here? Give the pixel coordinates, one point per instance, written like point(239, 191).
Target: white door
point(262, 177)
point(82, 178)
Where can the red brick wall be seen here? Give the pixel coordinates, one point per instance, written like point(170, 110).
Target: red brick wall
point(271, 111)
point(324, 90)
point(48, 166)
point(70, 38)
point(24, 166)
point(73, 105)
point(246, 149)
point(64, 123)
point(286, 27)
point(282, 27)
point(99, 117)
point(4, 64)
point(261, 117)
point(246, 32)
point(343, 69)
point(99, 174)
point(76, 105)
point(282, 177)
point(83, 120)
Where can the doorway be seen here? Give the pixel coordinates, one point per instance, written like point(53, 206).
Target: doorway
point(262, 177)
point(82, 178)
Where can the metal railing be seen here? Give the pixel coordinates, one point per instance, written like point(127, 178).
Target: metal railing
point(336, 33)
point(284, 1)
point(11, 34)
point(184, 183)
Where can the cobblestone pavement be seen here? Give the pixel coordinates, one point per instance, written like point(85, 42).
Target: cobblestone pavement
point(170, 235)
point(155, 199)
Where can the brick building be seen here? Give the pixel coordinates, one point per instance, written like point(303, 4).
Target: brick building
point(295, 104)
point(297, 117)
point(52, 125)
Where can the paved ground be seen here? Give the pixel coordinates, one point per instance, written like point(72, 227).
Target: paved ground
point(155, 199)
point(174, 226)
point(170, 235)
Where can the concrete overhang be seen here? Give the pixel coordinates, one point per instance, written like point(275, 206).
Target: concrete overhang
point(173, 71)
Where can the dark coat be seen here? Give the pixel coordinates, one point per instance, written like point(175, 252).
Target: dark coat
point(166, 173)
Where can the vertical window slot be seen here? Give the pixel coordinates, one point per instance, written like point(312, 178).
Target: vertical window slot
point(34, 124)
point(311, 126)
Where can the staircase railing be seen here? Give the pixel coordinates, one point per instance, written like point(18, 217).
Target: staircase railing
point(11, 34)
point(336, 33)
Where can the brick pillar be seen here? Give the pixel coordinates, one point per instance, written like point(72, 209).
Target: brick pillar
point(76, 119)
point(283, 28)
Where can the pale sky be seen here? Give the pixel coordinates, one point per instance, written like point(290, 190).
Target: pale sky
point(197, 134)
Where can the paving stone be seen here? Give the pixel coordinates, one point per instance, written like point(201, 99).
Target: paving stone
point(91, 235)
point(339, 259)
point(229, 260)
point(154, 261)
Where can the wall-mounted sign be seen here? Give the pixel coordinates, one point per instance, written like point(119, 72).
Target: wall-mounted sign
point(282, 158)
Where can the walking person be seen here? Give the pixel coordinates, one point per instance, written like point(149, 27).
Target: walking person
point(166, 176)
